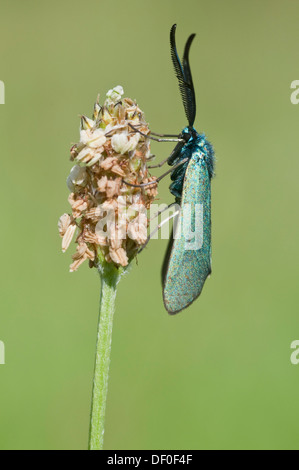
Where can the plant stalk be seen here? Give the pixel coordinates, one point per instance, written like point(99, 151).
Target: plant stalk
point(110, 277)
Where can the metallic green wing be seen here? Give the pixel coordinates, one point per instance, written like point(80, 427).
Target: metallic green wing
point(188, 261)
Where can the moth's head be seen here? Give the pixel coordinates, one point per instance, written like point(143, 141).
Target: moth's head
point(188, 134)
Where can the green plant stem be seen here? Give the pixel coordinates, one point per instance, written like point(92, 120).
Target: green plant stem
point(110, 277)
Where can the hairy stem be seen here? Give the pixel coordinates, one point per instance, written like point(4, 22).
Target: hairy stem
point(110, 278)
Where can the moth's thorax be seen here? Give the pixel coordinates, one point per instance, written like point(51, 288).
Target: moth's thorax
point(199, 147)
point(196, 147)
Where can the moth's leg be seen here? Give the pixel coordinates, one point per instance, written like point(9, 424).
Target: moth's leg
point(164, 210)
point(164, 135)
point(158, 228)
point(158, 179)
point(175, 153)
point(172, 157)
point(177, 139)
point(159, 164)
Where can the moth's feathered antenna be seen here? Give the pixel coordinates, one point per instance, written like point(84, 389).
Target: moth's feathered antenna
point(188, 78)
point(184, 76)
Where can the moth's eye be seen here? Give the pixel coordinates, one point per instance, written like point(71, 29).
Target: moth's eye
point(187, 137)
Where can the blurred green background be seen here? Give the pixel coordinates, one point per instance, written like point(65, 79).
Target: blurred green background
point(217, 376)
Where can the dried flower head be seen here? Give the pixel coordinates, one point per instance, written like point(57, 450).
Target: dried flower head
point(110, 216)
